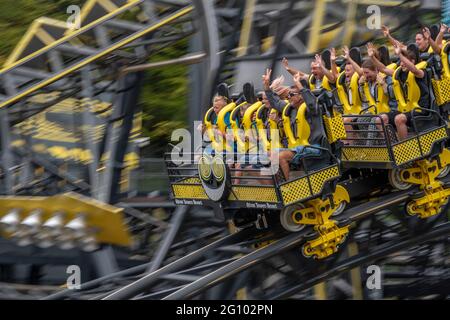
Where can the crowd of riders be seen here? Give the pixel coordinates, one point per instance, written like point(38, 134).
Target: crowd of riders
point(391, 88)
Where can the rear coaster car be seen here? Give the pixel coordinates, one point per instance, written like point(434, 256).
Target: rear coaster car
point(238, 191)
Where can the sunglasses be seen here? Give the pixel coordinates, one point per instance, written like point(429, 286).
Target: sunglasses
point(292, 94)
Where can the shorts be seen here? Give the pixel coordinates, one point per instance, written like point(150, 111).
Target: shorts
point(301, 152)
point(391, 115)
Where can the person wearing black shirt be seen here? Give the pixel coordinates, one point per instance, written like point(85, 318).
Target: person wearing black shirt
point(408, 64)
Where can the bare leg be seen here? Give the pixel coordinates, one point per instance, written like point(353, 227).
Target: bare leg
point(285, 157)
point(385, 119)
point(237, 174)
point(348, 126)
point(402, 129)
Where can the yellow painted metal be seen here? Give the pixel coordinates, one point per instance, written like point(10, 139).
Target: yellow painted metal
point(45, 37)
point(318, 179)
point(181, 191)
point(76, 33)
point(406, 151)
point(409, 101)
point(436, 195)
point(428, 139)
point(298, 190)
point(95, 57)
point(317, 21)
point(38, 25)
point(317, 212)
point(368, 154)
point(350, 25)
point(355, 273)
point(353, 105)
point(107, 220)
point(320, 291)
point(295, 191)
point(258, 194)
point(441, 88)
point(246, 27)
point(334, 127)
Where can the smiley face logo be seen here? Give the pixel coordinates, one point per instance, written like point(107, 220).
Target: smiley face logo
point(213, 174)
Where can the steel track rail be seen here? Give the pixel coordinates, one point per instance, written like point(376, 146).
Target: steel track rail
point(144, 282)
point(364, 257)
point(290, 241)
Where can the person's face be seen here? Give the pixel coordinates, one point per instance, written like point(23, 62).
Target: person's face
point(295, 98)
point(421, 42)
point(218, 104)
point(370, 75)
point(349, 70)
point(316, 70)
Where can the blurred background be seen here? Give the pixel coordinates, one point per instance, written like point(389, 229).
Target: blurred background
point(91, 110)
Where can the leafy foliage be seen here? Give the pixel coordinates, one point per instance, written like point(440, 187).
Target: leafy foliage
point(164, 93)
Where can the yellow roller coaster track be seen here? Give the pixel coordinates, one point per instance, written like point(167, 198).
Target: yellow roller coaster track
point(87, 60)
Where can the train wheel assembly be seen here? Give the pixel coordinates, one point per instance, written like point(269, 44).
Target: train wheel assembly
point(435, 195)
point(289, 217)
point(317, 213)
point(396, 181)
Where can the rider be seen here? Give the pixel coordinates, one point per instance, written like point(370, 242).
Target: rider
point(296, 102)
point(409, 68)
point(320, 76)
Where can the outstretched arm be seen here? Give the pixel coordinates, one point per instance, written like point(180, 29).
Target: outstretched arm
point(297, 77)
point(357, 68)
point(380, 66)
point(434, 44)
point(274, 99)
point(326, 72)
point(291, 70)
point(394, 42)
point(408, 64)
point(440, 35)
point(334, 68)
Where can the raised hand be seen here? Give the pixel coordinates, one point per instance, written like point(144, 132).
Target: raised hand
point(426, 33)
point(319, 60)
point(285, 63)
point(362, 79)
point(297, 78)
point(443, 28)
point(386, 31)
point(397, 49)
point(380, 79)
point(370, 49)
point(333, 55)
point(266, 79)
point(346, 52)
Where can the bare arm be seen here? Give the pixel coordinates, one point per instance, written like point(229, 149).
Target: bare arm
point(291, 70)
point(408, 64)
point(326, 72)
point(427, 34)
point(440, 37)
point(334, 68)
point(394, 42)
point(380, 66)
point(297, 82)
point(357, 68)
